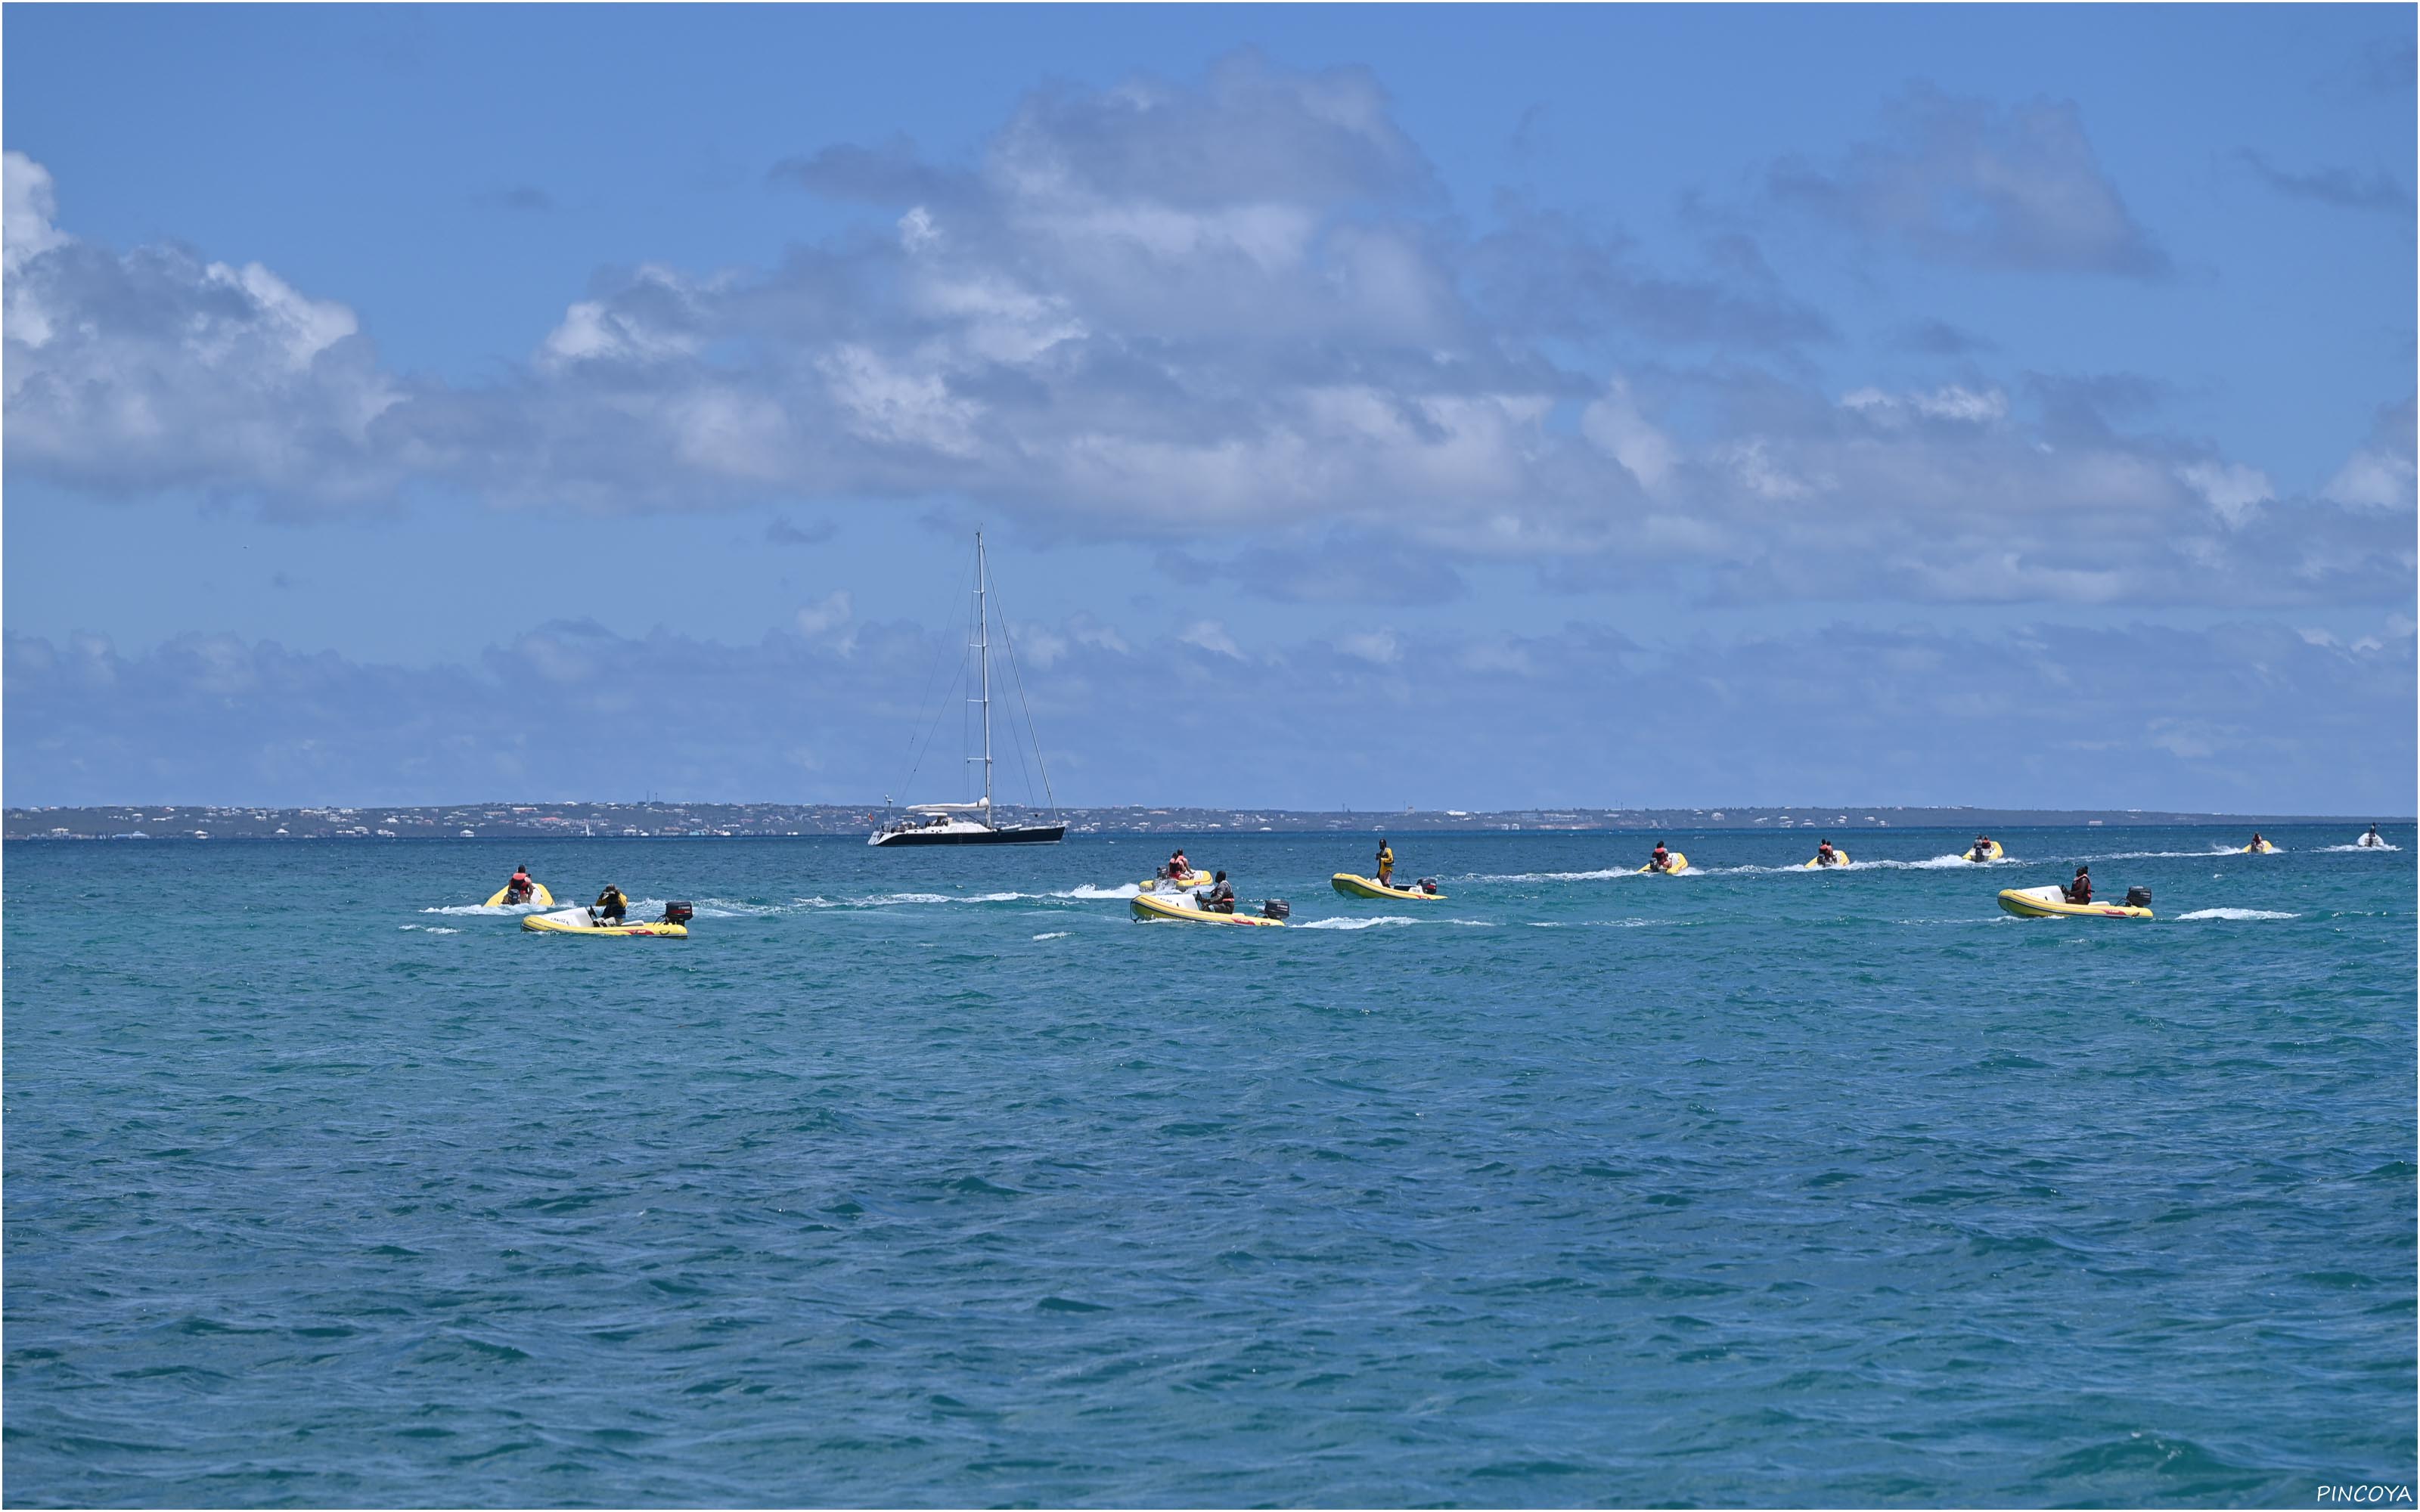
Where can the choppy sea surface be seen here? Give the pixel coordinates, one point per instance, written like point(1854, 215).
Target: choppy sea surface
point(931, 1177)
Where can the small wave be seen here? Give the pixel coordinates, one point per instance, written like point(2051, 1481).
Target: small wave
point(1357, 923)
point(900, 899)
point(725, 908)
point(2236, 914)
point(499, 911)
point(1605, 875)
point(2382, 847)
point(1054, 934)
point(432, 929)
point(1947, 863)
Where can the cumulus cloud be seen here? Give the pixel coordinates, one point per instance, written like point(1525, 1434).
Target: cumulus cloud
point(1963, 182)
point(2381, 474)
point(831, 612)
point(1238, 309)
point(2234, 716)
point(2232, 488)
point(157, 369)
point(1209, 635)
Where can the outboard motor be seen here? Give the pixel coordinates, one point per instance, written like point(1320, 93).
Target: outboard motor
point(1428, 884)
point(1275, 908)
point(2138, 897)
point(679, 913)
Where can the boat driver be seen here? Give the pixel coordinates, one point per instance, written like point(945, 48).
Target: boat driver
point(1221, 897)
point(518, 889)
point(1178, 867)
point(2080, 891)
point(610, 906)
point(1825, 855)
point(1386, 863)
point(1661, 860)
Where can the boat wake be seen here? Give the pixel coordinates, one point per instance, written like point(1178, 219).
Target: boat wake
point(1607, 874)
point(2378, 847)
point(1381, 921)
point(2237, 914)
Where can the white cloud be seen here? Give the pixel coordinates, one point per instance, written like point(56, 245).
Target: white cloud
point(1380, 647)
point(1193, 314)
point(2232, 488)
point(828, 613)
point(25, 232)
point(1614, 424)
point(1211, 635)
point(1950, 402)
point(2373, 480)
point(155, 369)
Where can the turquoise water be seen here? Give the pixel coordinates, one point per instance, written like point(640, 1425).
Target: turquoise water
point(929, 1178)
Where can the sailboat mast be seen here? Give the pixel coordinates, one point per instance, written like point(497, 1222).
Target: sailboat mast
point(983, 653)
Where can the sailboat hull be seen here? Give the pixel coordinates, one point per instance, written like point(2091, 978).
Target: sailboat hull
point(1013, 835)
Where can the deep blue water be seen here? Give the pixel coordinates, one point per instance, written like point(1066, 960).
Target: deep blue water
point(929, 1178)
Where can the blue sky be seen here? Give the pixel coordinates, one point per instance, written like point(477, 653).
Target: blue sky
point(1461, 407)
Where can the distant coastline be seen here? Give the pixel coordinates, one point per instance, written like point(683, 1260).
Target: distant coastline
point(743, 820)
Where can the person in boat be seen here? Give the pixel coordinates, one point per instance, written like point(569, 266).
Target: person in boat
point(1178, 867)
point(1386, 863)
point(1661, 860)
point(2256, 841)
point(1982, 851)
point(518, 889)
point(610, 906)
point(1219, 897)
point(2080, 891)
point(1825, 855)
point(2371, 839)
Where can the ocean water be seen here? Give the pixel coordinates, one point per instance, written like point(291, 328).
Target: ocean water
point(931, 1177)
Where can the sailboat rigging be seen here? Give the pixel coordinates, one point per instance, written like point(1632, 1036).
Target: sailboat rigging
point(971, 823)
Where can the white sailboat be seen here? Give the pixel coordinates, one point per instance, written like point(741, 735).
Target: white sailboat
point(971, 823)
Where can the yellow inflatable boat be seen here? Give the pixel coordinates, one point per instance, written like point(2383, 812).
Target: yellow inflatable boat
point(1190, 880)
point(538, 895)
point(673, 925)
point(2264, 848)
point(1154, 907)
point(1675, 865)
point(1357, 887)
point(1991, 852)
point(2051, 903)
point(1839, 857)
